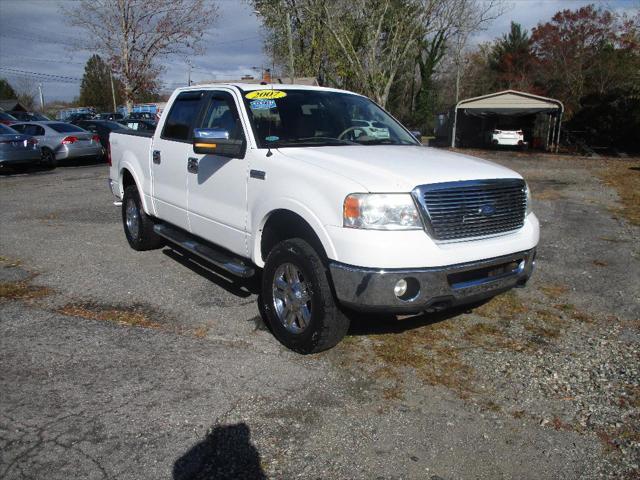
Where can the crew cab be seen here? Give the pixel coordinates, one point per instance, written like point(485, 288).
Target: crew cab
point(288, 182)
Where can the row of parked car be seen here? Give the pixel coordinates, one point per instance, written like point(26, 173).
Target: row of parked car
point(32, 138)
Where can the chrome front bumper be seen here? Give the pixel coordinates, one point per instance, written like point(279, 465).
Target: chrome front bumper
point(435, 288)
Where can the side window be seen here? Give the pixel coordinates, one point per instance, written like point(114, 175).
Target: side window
point(183, 114)
point(19, 128)
point(33, 130)
point(222, 114)
point(39, 131)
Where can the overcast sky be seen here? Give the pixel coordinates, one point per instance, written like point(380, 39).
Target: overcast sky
point(34, 39)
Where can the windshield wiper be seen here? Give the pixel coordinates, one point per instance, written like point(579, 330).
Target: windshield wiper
point(382, 141)
point(329, 140)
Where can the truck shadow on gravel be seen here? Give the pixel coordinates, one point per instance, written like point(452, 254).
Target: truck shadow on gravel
point(364, 324)
point(225, 453)
point(240, 287)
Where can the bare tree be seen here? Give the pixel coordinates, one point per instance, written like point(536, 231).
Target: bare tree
point(374, 39)
point(26, 90)
point(134, 34)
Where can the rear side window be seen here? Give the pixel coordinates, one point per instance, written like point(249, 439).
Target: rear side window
point(183, 115)
point(65, 128)
point(33, 130)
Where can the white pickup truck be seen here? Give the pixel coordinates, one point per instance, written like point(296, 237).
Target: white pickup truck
point(329, 198)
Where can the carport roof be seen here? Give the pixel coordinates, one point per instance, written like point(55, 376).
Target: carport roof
point(509, 102)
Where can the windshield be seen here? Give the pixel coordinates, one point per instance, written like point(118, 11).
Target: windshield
point(294, 118)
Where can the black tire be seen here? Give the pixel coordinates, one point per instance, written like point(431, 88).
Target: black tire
point(327, 324)
point(48, 158)
point(138, 226)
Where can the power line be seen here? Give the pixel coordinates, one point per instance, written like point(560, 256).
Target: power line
point(62, 60)
point(49, 75)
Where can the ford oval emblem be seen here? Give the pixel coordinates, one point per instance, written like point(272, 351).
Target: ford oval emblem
point(487, 210)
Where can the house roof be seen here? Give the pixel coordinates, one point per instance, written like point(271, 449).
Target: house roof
point(11, 105)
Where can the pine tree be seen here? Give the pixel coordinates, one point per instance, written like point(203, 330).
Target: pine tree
point(95, 90)
point(6, 90)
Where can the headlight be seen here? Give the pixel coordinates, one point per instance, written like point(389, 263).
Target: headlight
point(528, 192)
point(381, 211)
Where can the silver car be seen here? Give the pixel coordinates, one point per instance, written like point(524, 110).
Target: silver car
point(60, 141)
point(17, 148)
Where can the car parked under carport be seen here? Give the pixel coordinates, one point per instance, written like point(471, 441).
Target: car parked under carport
point(473, 120)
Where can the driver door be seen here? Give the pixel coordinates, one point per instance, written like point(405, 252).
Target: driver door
point(217, 185)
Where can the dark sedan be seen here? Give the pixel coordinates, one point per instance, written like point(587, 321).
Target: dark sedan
point(102, 128)
point(140, 125)
point(6, 119)
point(17, 148)
point(78, 117)
point(109, 116)
point(30, 116)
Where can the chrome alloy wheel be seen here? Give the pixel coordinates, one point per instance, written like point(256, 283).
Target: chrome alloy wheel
point(291, 298)
point(132, 216)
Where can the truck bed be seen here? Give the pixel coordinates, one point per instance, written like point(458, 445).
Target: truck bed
point(132, 150)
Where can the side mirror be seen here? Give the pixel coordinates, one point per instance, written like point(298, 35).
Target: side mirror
point(417, 134)
point(215, 141)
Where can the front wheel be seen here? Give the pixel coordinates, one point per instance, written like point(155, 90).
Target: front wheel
point(297, 299)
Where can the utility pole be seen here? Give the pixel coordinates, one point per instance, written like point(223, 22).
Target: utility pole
point(290, 42)
point(41, 97)
point(113, 92)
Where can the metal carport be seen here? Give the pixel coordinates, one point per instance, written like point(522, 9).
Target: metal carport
point(511, 103)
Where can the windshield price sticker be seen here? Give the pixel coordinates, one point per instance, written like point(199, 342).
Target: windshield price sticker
point(262, 104)
point(265, 94)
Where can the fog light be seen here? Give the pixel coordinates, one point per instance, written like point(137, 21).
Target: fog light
point(401, 288)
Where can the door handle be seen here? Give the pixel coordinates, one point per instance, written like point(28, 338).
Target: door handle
point(192, 165)
point(156, 157)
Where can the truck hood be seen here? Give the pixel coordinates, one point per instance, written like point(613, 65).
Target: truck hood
point(393, 168)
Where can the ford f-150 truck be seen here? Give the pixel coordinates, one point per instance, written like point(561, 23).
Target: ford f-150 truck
point(289, 182)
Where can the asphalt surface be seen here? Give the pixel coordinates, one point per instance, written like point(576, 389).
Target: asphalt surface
point(199, 388)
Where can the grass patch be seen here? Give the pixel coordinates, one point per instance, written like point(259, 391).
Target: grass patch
point(540, 331)
point(626, 181)
point(554, 291)
point(9, 263)
point(505, 306)
point(22, 291)
point(548, 194)
point(200, 332)
point(429, 353)
point(130, 316)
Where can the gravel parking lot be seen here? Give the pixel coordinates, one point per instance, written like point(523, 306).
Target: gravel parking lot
point(121, 364)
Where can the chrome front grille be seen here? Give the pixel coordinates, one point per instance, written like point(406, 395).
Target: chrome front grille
point(477, 208)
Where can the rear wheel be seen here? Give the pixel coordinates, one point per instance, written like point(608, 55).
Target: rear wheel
point(297, 299)
point(138, 226)
point(48, 158)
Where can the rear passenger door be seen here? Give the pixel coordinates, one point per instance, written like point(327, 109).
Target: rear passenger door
point(170, 153)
